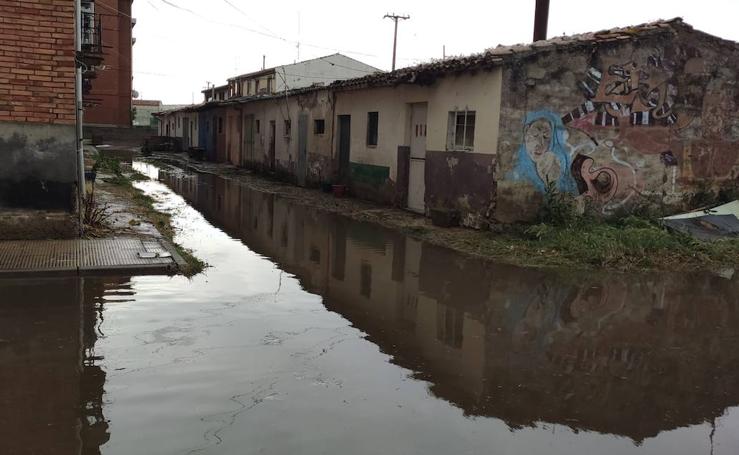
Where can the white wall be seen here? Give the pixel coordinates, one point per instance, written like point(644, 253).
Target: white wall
point(320, 70)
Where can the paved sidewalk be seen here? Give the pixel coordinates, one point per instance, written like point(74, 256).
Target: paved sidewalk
point(88, 257)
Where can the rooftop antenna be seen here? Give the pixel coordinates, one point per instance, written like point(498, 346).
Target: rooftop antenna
point(298, 45)
point(395, 18)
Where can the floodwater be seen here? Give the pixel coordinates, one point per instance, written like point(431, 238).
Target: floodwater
point(312, 334)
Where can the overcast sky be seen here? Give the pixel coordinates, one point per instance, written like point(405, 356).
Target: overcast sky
point(181, 44)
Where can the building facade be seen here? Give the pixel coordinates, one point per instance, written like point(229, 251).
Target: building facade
point(37, 106)
point(108, 99)
point(618, 118)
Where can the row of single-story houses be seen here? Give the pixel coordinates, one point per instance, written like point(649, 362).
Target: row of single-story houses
point(618, 118)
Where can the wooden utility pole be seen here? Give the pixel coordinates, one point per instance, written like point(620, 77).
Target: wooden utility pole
point(395, 18)
point(541, 20)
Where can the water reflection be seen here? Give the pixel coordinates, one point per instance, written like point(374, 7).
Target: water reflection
point(633, 356)
point(51, 382)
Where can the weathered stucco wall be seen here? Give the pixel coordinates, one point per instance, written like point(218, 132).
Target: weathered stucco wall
point(311, 106)
point(643, 121)
point(463, 181)
point(38, 166)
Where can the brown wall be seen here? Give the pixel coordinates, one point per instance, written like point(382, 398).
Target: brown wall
point(110, 97)
point(37, 76)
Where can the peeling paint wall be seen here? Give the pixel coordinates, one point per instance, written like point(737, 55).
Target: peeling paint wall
point(618, 125)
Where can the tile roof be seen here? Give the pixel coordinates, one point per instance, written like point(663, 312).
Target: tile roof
point(427, 73)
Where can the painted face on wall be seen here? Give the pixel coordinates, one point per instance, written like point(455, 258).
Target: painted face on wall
point(537, 138)
point(598, 183)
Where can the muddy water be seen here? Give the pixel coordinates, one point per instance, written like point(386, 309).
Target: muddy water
point(311, 334)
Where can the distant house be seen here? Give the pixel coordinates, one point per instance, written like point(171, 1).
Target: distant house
point(315, 72)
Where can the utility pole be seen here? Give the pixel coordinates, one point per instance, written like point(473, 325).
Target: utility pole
point(395, 18)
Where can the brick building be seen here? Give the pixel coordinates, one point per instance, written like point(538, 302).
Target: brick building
point(39, 147)
point(108, 99)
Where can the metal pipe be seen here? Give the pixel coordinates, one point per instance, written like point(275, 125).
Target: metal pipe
point(78, 117)
point(541, 20)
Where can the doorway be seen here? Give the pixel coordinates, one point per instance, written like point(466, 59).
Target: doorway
point(272, 141)
point(417, 171)
point(186, 132)
point(344, 146)
point(302, 148)
point(247, 151)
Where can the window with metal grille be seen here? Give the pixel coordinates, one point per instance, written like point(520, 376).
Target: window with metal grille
point(319, 126)
point(461, 131)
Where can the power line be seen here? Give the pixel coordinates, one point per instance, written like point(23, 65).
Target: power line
point(229, 3)
point(259, 32)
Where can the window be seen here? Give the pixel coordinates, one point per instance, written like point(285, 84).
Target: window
point(461, 133)
point(372, 119)
point(179, 122)
point(319, 126)
point(258, 126)
point(220, 125)
point(288, 127)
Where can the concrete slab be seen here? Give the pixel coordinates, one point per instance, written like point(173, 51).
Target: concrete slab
point(87, 257)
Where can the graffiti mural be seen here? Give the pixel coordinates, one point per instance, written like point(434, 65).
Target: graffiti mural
point(543, 156)
point(628, 93)
point(625, 139)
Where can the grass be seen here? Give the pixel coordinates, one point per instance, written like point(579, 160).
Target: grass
point(564, 237)
point(145, 208)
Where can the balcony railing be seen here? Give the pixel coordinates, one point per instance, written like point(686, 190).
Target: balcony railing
point(92, 42)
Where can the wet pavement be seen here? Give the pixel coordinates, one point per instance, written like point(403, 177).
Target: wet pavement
point(313, 334)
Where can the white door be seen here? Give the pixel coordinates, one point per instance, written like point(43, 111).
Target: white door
point(417, 172)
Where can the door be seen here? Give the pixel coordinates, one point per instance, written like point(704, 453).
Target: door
point(417, 171)
point(248, 148)
point(186, 132)
point(344, 146)
point(272, 140)
point(302, 147)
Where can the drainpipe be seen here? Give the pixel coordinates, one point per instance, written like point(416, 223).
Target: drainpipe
point(78, 116)
point(541, 20)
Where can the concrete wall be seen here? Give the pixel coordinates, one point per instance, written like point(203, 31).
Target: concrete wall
point(314, 106)
point(463, 180)
point(38, 166)
point(619, 125)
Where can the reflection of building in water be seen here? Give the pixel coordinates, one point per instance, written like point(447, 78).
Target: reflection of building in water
point(51, 384)
point(632, 356)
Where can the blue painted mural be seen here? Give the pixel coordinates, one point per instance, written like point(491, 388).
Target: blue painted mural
point(543, 156)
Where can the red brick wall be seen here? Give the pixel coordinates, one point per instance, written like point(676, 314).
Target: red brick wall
point(111, 89)
point(37, 70)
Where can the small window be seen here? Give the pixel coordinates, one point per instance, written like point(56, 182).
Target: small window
point(319, 126)
point(461, 133)
point(179, 122)
point(372, 119)
point(288, 128)
point(220, 125)
point(258, 126)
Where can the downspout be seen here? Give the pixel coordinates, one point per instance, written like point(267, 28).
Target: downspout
point(78, 117)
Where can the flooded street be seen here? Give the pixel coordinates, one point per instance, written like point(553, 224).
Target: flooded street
point(313, 334)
